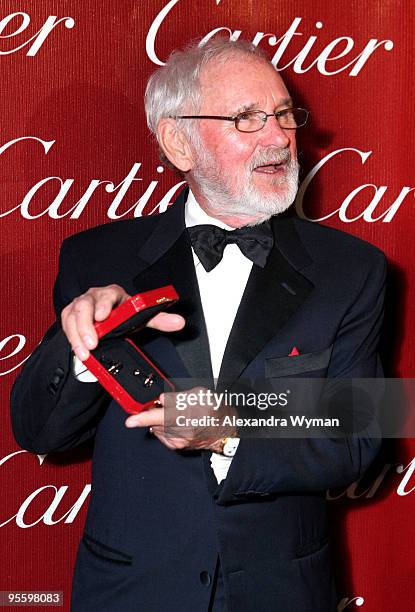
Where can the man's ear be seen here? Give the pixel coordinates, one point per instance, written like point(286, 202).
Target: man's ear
point(175, 145)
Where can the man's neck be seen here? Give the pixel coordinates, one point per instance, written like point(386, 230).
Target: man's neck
point(238, 220)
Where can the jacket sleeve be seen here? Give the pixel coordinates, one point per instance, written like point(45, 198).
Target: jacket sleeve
point(50, 409)
point(266, 467)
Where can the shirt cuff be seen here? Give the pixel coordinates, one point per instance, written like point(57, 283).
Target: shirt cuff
point(80, 372)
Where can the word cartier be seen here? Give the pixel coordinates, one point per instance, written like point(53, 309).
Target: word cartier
point(51, 504)
point(330, 59)
point(34, 203)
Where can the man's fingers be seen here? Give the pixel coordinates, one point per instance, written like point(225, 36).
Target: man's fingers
point(96, 304)
point(103, 309)
point(167, 322)
point(84, 309)
point(70, 328)
point(147, 418)
point(77, 326)
point(79, 316)
point(107, 299)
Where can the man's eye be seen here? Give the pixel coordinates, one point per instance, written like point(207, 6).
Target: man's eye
point(246, 116)
point(287, 117)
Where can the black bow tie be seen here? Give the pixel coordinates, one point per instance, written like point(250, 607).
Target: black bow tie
point(209, 242)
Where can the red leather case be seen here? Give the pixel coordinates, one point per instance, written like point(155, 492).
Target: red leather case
point(119, 365)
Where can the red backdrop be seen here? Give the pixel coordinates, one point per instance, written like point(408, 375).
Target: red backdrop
point(75, 152)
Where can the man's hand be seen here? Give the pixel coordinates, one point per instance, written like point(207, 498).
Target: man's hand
point(79, 316)
point(183, 435)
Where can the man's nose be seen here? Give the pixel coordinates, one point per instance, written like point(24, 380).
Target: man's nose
point(273, 134)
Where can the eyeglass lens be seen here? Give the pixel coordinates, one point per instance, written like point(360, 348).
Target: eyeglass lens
point(252, 121)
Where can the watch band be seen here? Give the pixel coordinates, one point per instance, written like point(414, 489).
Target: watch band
point(229, 446)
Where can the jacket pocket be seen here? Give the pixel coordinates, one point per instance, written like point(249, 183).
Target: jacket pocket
point(297, 364)
point(106, 552)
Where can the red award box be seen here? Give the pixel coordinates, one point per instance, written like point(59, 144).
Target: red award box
point(118, 363)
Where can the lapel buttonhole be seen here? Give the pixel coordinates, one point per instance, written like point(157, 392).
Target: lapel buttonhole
point(288, 288)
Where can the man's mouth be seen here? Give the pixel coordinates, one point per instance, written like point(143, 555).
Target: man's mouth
point(270, 168)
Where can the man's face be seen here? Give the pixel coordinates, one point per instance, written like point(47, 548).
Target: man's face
point(250, 174)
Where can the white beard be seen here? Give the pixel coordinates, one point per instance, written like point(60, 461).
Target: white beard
point(248, 200)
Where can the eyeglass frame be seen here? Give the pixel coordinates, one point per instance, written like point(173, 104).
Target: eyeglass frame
point(235, 118)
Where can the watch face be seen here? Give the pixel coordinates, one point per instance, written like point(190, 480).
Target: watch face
point(230, 447)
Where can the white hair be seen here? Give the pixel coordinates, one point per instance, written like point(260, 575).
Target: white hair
point(174, 89)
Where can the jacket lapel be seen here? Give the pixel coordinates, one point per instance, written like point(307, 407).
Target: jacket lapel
point(272, 295)
point(166, 258)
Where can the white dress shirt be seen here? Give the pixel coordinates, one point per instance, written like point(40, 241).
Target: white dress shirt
point(221, 291)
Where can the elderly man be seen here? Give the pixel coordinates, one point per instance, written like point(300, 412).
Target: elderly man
point(203, 523)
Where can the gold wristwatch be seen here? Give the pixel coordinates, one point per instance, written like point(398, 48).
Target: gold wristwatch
point(228, 446)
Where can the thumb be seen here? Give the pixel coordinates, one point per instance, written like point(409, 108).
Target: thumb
point(167, 322)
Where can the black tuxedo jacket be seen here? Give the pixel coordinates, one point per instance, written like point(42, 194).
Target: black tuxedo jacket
point(157, 519)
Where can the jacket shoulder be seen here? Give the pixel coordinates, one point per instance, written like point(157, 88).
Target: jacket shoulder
point(325, 242)
point(125, 232)
point(103, 255)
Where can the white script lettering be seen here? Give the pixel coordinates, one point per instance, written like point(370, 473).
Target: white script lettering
point(368, 212)
point(334, 51)
point(47, 516)
point(36, 40)
point(21, 342)
point(345, 603)
point(53, 209)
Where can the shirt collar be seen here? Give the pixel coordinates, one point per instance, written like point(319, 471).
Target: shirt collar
point(195, 215)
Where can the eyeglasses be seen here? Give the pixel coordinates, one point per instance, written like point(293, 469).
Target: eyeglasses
point(254, 120)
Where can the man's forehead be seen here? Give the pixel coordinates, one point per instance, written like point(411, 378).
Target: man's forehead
point(287, 101)
point(242, 83)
